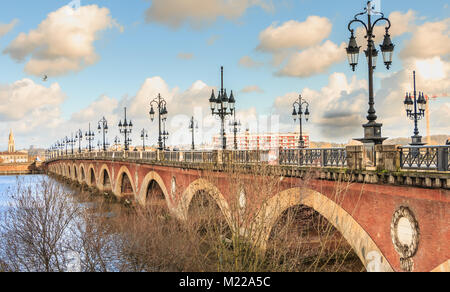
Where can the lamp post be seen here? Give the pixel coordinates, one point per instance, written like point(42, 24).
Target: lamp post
point(103, 126)
point(126, 128)
point(236, 127)
point(193, 126)
point(222, 106)
point(116, 142)
point(372, 130)
point(90, 136)
point(65, 142)
point(144, 136)
point(59, 147)
point(161, 105)
point(412, 113)
point(299, 114)
point(79, 138)
point(71, 142)
point(165, 135)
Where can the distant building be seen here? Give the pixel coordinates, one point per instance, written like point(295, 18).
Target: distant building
point(248, 141)
point(11, 156)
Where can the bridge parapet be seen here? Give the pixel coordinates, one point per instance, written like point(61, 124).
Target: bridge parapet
point(326, 164)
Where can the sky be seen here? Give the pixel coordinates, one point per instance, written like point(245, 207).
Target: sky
point(102, 56)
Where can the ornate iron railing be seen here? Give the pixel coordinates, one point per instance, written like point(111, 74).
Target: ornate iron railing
point(246, 156)
point(425, 157)
point(329, 157)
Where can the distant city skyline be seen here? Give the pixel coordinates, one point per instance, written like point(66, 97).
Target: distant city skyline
point(63, 68)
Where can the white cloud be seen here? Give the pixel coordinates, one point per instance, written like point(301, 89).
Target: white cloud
point(429, 40)
point(252, 89)
point(103, 105)
point(24, 97)
point(185, 56)
point(199, 13)
point(63, 42)
point(295, 35)
point(314, 60)
point(248, 62)
point(5, 28)
point(337, 110)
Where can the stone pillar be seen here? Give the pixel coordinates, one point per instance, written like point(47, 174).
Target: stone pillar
point(182, 156)
point(218, 155)
point(388, 157)
point(356, 159)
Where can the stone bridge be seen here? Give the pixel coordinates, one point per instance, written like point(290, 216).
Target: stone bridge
point(395, 219)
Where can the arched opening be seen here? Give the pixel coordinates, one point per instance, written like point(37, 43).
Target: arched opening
point(302, 240)
point(106, 181)
point(75, 172)
point(92, 179)
point(83, 176)
point(126, 188)
point(155, 195)
point(68, 171)
point(206, 217)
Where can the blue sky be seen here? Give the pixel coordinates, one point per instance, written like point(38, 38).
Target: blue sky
point(149, 49)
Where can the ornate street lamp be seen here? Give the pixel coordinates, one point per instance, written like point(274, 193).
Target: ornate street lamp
point(65, 142)
point(222, 106)
point(298, 114)
point(79, 138)
point(116, 142)
point(193, 126)
point(103, 126)
point(235, 128)
point(165, 135)
point(144, 136)
point(372, 130)
point(90, 136)
point(411, 107)
point(161, 105)
point(71, 142)
point(126, 128)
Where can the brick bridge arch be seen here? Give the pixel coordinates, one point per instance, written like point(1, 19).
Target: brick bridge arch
point(82, 178)
point(203, 185)
point(105, 183)
point(371, 220)
point(124, 176)
point(142, 194)
point(91, 178)
point(361, 242)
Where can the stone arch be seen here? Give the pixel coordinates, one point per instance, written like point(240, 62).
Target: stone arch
point(91, 176)
point(148, 179)
point(361, 242)
point(198, 186)
point(75, 172)
point(105, 179)
point(443, 268)
point(69, 171)
point(124, 171)
point(82, 173)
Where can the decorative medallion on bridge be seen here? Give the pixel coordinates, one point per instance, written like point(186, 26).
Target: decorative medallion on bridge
point(405, 235)
point(173, 187)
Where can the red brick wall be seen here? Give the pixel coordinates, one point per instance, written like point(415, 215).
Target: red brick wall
point(372, 206)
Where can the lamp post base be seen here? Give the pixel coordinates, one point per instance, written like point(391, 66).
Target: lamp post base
point(372, 134)
point(372, 137)
point(417, 141)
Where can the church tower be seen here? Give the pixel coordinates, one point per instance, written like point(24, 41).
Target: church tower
point(11, 146)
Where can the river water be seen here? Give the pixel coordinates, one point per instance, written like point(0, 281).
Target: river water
point(7, 184)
